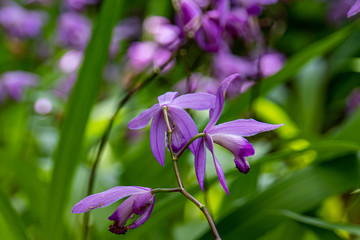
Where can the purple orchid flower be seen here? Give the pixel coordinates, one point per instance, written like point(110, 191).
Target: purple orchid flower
point(229, 135)
point(15, 82)
point(141, 203)
point(184, 127)
point(355, 8)
point(21, 23)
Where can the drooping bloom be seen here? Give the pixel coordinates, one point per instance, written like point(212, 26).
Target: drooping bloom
point(141, 203)
point(20, 22)
point(229, 135)
point(183, 126)
point(15, 82)
point(355, 8)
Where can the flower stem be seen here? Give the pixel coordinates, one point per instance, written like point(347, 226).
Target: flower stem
point(178, 177)
point(106, 134)
point(166, 190)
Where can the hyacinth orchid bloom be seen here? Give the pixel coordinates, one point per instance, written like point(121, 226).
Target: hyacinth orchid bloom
point(229, 135)
point(141, 203)
point(184, 127)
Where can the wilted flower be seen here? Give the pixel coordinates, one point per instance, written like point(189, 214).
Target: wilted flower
point(141, 202)
point(21, 23)
point(229, 135)
point(183, 126)
point(14, 83)
point(74, 30)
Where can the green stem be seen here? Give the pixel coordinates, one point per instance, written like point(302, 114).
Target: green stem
point(166, 190)
point(178, 177)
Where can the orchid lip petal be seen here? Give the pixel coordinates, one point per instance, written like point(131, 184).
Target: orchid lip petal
point(167, 98)
point(157, 137)
point(219, 104)
point(144, 216)
point(185, 124)
point(143, 118)
point(106, 198)
point(243, 127)
point(220, 172)
point(197, 101)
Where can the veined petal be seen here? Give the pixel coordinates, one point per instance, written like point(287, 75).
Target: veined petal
point(198, 101)
point(157, 137)
point(167, 98)
point(242, 127)
point(144, 117)
point(238, 145)
point(185, 124)
point(200, 162)
point(219, 103)
point(178, 140)
point(106, 198)
point(144, 216)
point(219, 170)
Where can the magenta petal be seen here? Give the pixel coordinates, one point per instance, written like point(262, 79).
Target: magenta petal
point(144, 118)
point(123, 211)
point(355, 8)
point(238, 145)
point(157, 137)
point(241, 164)
point(219, 170)
point(185, 124)
point(197, 101)
point(143, 217)
point(242, 127)
point(200, 163)
point(167, 98)
point(106, 198)
point(219, 104)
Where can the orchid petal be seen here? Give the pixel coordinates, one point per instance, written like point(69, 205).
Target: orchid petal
point(238, 145)
point(144, 118)
point(355, 8)
point(242, 127)
point(106, 198)
point(142, 202)
point(167, 98)
point(197, 101)
point(219, 170)
point(177, 140)
point(219, 104)
point(241, 164)
point(185, 124)
point(124, 211)
point(143, 217)
point(157, 137)
point(200, 163)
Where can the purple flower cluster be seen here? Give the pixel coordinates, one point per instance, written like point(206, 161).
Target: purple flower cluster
point(14, 83)
point(21, 23)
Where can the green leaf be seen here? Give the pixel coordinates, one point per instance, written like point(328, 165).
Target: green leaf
point(11, 225)
point(299, 192)
point(83, 97)
point(353, 229)
point(294, 64)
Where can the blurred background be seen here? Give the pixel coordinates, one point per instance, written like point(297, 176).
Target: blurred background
point(66, 65)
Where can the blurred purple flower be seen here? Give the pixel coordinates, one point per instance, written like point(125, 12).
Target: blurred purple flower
point(145, 54)
point(184, 127)
point(74, 30)
point(141, 202)
point(209, 36)
point(71, 61)
point(254, 7)
point(163, 31)
point(79, 5)
point(229, 135)
point(353, 101)
point(43, 106)
point(197, 83)
point(355, 8)
point(20, 22)
point(189, 16)
point(65, 86)
point(271, 63)
point(15, 82)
